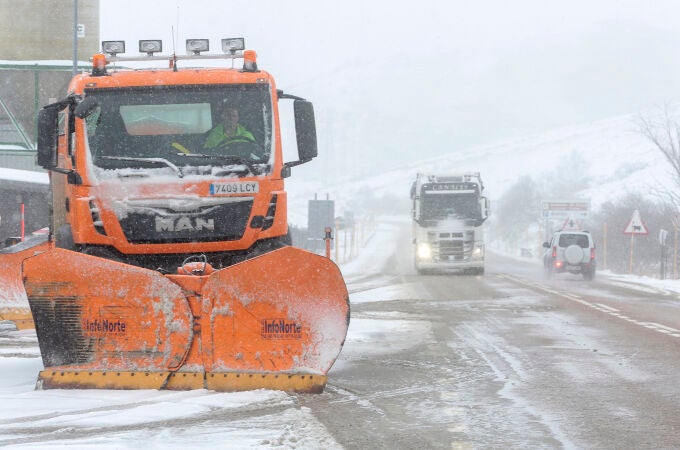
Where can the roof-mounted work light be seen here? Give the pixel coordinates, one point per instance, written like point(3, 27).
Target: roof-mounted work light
point(196, 46)
point(232, 45)
point(150, 46)
point(113, 47)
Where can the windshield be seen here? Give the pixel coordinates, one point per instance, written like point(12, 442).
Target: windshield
point(441, 206)
point(197, 128)
point(573, 239)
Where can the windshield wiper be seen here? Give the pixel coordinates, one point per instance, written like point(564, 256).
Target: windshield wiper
point(163, 161)
point(227, 158)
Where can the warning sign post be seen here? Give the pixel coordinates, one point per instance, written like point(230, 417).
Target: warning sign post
point(635, 226)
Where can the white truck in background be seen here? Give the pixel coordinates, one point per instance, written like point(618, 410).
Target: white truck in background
point(448, 213)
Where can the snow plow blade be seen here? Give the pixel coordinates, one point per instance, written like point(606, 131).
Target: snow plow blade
point(277, 321)
point(13, 301)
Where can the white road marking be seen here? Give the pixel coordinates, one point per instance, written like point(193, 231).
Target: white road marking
point(668, 331)
point(663, 327)
point(608, 308)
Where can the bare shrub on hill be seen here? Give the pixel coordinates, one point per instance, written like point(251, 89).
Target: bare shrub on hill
point(567, 178)
point(663, 131)
point(515, 212)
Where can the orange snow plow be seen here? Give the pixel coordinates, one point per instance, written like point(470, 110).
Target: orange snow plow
point(128, 327)
point(170, 263)
point(13, 302)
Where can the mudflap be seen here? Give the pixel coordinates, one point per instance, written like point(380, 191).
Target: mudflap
point(13, 302)
point(103, 324)
point(277, 321)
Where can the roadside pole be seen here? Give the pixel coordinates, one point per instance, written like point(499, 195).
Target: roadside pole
point(337, 244)
point(675, 254)
point(344, 244)
point(663, 238)
point(352, 249)
point(632, 243)
point(23, 223)
point(635, 226)
point(676, 225)
point(328, 237)
point(604, 246)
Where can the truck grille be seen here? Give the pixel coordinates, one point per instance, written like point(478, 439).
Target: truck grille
point(452, 246)
point(148, 223)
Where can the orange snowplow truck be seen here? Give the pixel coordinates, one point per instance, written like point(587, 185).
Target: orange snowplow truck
point(171, 265)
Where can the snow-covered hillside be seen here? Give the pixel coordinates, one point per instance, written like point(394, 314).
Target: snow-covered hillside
point(617, 158)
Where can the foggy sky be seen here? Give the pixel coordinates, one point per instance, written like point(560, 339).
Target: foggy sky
point(394, 81)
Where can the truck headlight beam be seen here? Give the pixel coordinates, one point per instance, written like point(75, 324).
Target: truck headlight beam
point(424, 251)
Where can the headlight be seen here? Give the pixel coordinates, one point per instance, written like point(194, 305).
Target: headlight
point(424, 251)
point(478, 251)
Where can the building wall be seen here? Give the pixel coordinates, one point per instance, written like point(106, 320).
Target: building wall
point(43, 29)
point(35, 30)
point(26, 91)
point(22, 160)
point(36, 210)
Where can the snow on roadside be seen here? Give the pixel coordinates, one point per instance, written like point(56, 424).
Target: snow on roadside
point(379, 333)
point(148, 418)
point(375, 250)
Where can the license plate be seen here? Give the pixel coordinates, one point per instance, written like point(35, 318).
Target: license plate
point(248, 187)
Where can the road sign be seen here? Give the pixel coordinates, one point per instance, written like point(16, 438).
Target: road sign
point(574, 208)
point(571, 225)
point(635, 225)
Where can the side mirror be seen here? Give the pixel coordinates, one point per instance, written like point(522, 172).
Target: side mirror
point(483, 210)
point(546, 244)
point(85, 107)
point(305, 130)
point(47, 137)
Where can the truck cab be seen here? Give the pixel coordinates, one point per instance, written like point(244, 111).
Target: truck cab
point(135, 176)
point(448, 212)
